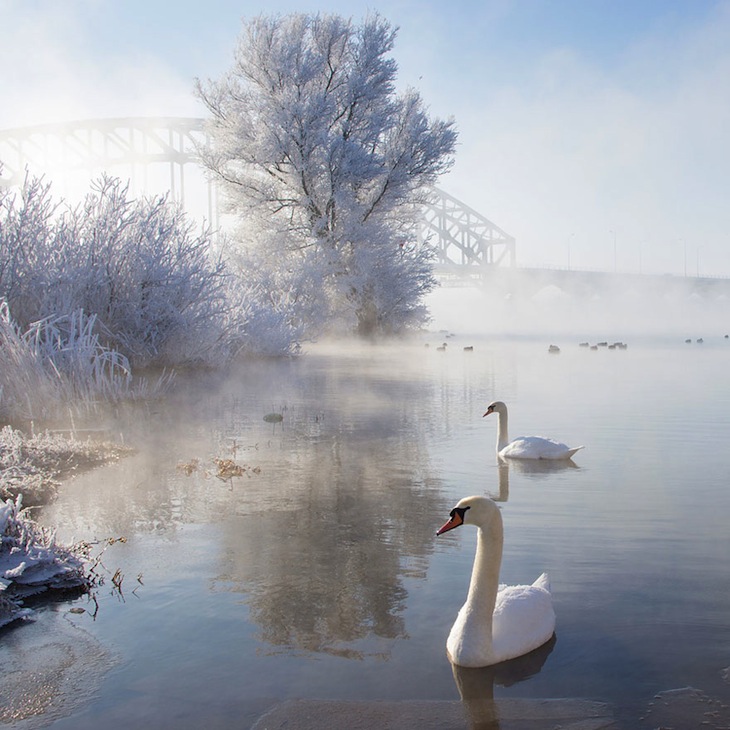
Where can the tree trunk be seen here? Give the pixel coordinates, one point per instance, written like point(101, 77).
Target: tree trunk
point(367, 318)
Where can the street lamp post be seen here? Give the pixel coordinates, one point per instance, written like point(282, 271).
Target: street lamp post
point(615, 269)
point(684, 243)
point(570, 240)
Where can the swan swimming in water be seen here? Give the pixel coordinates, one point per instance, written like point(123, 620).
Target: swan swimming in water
point(526, 447)
point(497, 622)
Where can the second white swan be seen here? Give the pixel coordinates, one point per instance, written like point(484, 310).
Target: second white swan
point(526, 447)
point(497, 622)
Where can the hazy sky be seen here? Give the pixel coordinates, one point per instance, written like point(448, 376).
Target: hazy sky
point(597, 132)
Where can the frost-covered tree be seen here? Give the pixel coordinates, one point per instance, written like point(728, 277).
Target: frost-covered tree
point(328, 165)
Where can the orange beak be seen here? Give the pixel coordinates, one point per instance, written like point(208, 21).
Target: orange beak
point(455, 521)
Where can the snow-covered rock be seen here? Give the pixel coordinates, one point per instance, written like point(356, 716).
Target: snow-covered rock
point(31, 562)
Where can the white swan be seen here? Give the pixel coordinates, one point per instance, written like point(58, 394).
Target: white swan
point(497, 622)
point(526, 447)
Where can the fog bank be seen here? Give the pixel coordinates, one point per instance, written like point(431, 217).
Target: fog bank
point(614, 309)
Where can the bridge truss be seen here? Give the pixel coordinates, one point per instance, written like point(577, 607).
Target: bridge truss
point(463, 238)
point(158, 155)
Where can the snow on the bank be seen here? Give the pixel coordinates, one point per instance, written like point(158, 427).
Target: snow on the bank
point(33, 465)
point(31, 562)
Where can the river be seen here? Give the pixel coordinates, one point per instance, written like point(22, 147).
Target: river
point(315, 572)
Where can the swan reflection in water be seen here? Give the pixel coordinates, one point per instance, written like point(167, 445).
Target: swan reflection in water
point(476, 685)
point(503, 475)
point(537, 468)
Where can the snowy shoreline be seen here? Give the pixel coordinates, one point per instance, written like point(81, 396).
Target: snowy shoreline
point(34, 465)
point(31, 561)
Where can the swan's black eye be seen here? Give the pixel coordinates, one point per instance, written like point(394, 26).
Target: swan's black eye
point(460, 511)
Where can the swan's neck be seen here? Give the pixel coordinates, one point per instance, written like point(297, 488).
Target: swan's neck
point(470, 642)
point(502, 437)
point(485, 575)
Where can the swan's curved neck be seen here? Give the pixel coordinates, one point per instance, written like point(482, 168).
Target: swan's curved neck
point(502, 437)
point(485, 573)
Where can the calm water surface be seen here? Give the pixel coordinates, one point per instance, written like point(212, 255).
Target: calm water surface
point(317, 574)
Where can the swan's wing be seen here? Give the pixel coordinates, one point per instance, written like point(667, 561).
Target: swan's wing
point(524, 619)
point(537, 447)
point(543, 582)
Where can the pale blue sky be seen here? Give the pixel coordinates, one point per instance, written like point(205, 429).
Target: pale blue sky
point(577, 118)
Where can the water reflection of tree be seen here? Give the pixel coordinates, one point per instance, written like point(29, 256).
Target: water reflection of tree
point(344, 515)
point(323, 568)
point(317, 594)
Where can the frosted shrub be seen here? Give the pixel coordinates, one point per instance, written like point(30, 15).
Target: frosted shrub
point(152, 283)
point(268, 331)
point(116, 283)
point(26, 389)
point(27, 248)
point(266, 302)
point(135, 265)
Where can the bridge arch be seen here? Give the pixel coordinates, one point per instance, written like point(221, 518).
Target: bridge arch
point(465, 241)
point(158, 154)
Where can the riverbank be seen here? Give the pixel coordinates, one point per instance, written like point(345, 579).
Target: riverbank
point(35, 464)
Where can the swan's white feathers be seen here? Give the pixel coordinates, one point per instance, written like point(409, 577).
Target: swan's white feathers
point(523, 620)
point(537, 447)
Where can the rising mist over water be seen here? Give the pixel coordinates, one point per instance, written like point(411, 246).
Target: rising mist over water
point(616, 308)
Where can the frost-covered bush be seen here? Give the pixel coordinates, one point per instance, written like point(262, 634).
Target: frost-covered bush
point(27, 235)
point(128, 283)
point(268, 332)
point(154, 284)
point(267, 305)
point(25, 385)
point(154, 287)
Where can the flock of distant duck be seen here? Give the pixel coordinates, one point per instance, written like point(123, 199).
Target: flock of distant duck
point(700, 340)
point(613, 346)
point(442, 347)
point(554, 349)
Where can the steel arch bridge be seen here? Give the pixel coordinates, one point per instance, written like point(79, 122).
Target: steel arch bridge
point(158, 155)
